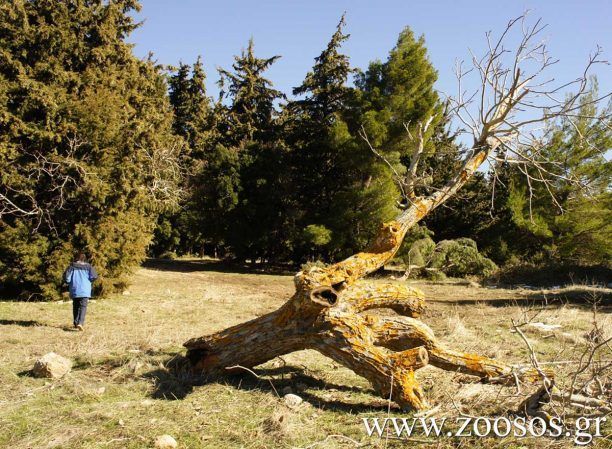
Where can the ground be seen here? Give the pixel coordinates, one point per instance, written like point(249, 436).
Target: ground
point(123, 392)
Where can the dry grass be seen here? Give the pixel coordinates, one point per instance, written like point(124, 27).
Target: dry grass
point(122, 392)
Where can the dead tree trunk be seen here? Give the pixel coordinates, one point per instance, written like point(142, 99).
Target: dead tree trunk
point(325, 314)
point(326, 311)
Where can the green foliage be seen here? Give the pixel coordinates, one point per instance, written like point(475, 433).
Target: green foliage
point(406, 254)
point(313, 264)
point(85, 143)
point(585, 230)
point(99, 151)
point(421, 252)
point(250, 130)
point(459, 258)
point(316, 235)
point(336, 180)
point(569, 218)
point(180, 230)
point(400, 92)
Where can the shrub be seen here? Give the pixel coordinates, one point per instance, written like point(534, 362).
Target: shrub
point(460, 258)
point(313, 264)
point(420, 252)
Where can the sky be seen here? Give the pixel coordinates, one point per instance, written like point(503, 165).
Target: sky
point(298, 30)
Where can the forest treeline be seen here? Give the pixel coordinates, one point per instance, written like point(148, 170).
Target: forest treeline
point(121, 157)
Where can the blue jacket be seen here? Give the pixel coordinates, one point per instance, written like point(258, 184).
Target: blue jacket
point(79, 277)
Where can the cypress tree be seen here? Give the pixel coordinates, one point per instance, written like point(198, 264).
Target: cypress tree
point(87, 152)
point(400, 92)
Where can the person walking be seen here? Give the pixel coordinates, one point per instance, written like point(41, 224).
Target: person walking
point(79, 276)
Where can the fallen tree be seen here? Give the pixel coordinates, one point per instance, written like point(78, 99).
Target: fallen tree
point(328, 312)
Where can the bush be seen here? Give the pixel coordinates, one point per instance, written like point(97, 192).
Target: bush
point(168, 255)
point(460, 258)
point(421, 252)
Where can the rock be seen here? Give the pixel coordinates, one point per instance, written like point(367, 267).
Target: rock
point(287, 390)
point(51, 365)
point(544, 327)
point(165, 442)
point(292, 400)
point(126, 293)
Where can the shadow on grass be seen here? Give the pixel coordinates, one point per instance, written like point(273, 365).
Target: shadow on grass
point(192, 265)
point(175, 381)
point(23, 323)
point(34, 323)
point(578, 297)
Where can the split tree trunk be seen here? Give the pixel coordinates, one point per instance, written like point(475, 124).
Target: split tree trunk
point(325, 314)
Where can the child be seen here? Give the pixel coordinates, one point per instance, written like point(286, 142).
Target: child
point(79, 276)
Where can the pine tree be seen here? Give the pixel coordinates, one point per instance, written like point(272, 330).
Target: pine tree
point(239, 186)
point(87, 154)
point(570, 217)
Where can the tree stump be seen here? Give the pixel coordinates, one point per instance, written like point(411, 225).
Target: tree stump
point(326, 314)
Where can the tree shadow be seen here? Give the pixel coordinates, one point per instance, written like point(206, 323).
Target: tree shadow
point(23, 323)
point(222, 266)
point(577, 297)
point(175, 381)
point(34, 323)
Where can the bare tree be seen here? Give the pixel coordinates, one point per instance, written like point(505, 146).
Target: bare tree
point(59, 174)
point(503, 115)
point(49, 179)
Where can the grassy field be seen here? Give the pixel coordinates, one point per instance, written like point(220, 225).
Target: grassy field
point(122, 391)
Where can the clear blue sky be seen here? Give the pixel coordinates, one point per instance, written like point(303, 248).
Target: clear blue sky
point(180, 30)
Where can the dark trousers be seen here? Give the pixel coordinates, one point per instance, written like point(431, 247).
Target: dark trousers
point(79, 309)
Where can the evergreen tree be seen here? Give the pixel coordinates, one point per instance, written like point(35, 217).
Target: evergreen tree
point(179, 231)
point(87, 154)
point(316, 176)
point(240, 189)
point(570, 216)
point(400, 92)
point(252, 97)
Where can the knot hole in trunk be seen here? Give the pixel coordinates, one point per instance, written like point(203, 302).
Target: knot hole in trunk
point(324, 295)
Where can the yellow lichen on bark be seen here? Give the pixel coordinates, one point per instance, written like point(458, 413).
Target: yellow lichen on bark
point(383, 248)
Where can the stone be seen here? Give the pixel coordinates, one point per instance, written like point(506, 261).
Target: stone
point(287, 390)
point(52, 365)
point(544, 327)
point(292, 400)
point(165, 442)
